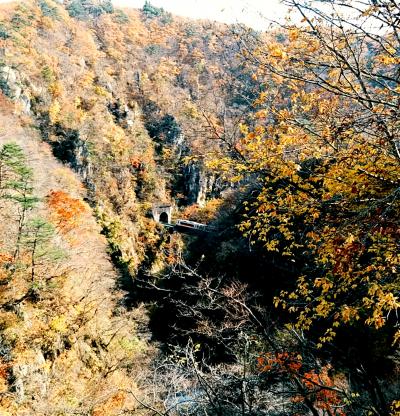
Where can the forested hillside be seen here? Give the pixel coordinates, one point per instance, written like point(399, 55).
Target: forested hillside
point(285, 143)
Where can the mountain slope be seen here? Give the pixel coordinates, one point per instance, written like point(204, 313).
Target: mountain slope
point(105, 112)
point(65, 347)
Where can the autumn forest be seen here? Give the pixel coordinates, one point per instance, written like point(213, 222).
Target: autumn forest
point(270, 285)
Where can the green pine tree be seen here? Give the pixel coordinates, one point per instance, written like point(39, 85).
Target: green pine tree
point(16, 185)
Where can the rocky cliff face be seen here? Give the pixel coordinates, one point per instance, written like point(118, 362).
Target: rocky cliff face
point(12, 86)
point(199, 184)
point(191, 179)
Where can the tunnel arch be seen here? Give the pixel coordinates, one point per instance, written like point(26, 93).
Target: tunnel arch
point(164, 218)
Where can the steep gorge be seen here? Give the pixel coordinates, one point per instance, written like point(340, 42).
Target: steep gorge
point(103, 311)
point(83, 90)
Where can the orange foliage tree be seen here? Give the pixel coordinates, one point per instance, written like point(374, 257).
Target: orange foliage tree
point(66, 211)
point(316, 388)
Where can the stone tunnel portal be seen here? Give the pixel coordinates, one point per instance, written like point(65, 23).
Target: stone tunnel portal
point(162, 213)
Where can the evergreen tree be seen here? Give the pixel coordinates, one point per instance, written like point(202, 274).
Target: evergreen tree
point(151, 11)
point(16, 185)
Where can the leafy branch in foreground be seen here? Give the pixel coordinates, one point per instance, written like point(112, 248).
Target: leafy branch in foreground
point(324, 152)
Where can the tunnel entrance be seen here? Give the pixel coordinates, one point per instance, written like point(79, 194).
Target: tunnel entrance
point(162, 212)
point(164, 218)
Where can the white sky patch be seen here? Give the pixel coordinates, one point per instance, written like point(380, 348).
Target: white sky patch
point(254, 13)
